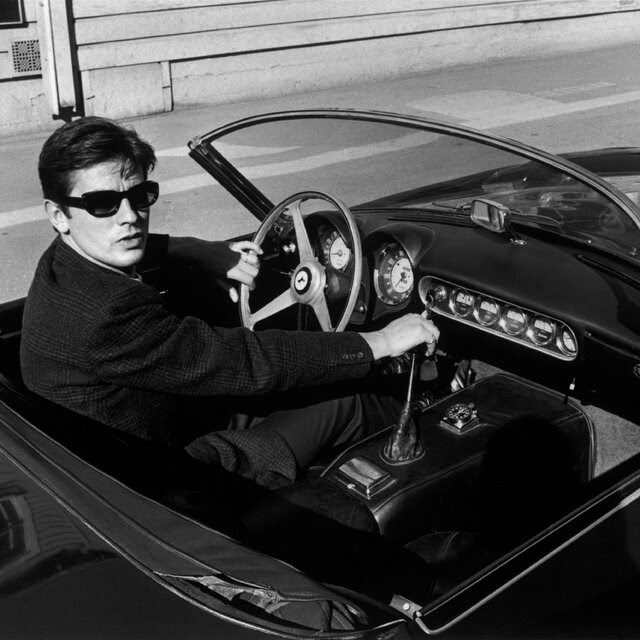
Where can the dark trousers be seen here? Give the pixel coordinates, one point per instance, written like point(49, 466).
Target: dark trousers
point(282, 435)
point(324, 424)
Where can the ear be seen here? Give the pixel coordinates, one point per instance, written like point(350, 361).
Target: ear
point(57, 216)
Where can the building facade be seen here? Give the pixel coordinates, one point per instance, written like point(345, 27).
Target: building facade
point(124, 58)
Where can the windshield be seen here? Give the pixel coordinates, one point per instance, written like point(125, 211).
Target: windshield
point(371, 165)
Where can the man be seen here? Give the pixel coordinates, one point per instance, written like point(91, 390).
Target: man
point(101, 342)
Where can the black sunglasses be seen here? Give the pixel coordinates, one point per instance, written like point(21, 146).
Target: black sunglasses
point(105, 203)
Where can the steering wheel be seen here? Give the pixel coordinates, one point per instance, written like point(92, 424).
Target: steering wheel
point(308, 281)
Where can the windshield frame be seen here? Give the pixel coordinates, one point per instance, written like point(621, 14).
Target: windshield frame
point(203, 151)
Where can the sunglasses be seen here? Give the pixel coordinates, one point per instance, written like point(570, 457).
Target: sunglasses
point(105, 203)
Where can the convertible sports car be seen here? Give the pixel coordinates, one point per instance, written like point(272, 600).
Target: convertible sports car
point(502, 502)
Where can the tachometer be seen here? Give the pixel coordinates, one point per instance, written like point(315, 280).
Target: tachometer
point(393, 275)
point(336, 252)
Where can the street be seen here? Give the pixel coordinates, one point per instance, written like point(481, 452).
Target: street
point(559, 104)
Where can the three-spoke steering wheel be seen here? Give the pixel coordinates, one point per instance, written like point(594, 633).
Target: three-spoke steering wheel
point(308, 282)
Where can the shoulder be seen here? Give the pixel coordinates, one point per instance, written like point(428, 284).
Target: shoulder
point(70, 292)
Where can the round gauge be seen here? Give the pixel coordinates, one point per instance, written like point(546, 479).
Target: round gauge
point(567, 342)
point(461, 302)
point(460, 413)
point(487, 311)
point(393, 276)
point(514, 320)
point(541, 330)
point(336, 252)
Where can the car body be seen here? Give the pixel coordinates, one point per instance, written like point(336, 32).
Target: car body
point(516, 489)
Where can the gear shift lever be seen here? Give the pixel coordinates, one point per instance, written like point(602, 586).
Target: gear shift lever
point(403, 445)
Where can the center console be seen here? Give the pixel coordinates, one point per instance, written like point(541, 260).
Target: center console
point(463, 442)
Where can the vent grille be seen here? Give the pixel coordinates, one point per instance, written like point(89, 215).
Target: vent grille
point(26, 56)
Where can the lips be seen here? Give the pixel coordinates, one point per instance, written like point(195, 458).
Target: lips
point(131, 238)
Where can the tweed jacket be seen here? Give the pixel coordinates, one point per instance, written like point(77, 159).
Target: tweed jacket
point(106, 346)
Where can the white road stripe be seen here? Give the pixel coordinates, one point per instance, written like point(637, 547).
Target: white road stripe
point(175, 185)
point(476, 109)
point(20, 216)
point(238, 151)
point(492, 109)
point(579, 88)
point(551, 110)
point(182, 151)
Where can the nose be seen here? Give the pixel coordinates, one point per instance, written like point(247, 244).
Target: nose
point(126, 214)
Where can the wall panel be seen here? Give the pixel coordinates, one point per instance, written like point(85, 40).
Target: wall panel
point(138, 37)
point(142, 56)
point(221, 50)
point(272, 73)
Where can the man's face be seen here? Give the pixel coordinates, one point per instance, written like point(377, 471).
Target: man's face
point(116, 241)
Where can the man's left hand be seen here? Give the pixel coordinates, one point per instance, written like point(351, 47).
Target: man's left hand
point(226, 262)
point(246, 268)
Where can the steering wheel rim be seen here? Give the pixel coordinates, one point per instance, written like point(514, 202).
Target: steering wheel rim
point(308, 280)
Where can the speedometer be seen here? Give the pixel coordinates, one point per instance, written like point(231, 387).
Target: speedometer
point(336, 252)
point(393, 275)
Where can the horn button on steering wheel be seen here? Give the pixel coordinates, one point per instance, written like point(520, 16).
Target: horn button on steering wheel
point(308, 279)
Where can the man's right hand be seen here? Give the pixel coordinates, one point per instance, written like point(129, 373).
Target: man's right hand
point(401, 335)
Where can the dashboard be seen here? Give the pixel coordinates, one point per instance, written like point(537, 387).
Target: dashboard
point(540, 296)
point(393, 280)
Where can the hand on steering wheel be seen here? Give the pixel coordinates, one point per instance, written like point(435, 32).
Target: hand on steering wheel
point(308, 281)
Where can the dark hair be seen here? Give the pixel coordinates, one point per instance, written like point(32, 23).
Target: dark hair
point(84, 143)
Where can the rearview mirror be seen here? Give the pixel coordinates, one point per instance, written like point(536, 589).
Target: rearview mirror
point(491, 215)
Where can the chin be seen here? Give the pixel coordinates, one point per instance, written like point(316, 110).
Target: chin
point(132, 259)
point(127, 260)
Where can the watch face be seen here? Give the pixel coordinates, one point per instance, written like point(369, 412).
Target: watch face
point(460, 412)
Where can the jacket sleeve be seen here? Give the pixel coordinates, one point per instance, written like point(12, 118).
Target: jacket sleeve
point(137, 342)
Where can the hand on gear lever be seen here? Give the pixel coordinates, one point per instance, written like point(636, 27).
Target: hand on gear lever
point(403, 445)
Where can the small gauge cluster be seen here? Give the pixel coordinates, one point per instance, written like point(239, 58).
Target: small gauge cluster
point(501, 318)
